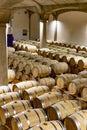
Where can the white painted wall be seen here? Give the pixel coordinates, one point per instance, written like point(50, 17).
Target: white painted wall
point(35, 26)
point(51, 26)
point(20, 22)
point(72, 28)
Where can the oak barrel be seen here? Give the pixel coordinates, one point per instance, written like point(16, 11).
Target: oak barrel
point(41, 71)
point(60, 67)
point(21, 65)
point(64, 79)
point(31, 93)
point(18, 75)
point(11, 75)
point(47, 99)
point(83, 74)
point(84, 93)
point(29, 66)
point(49, 125)
point(13, 108)
point(67, 96)
point(27, 119)
point(8, 97)
point(77, 121)
point(4, 89)
point(82, 102)
point(49, 81)
point(19, 87)
point(76, 85)
point(62, 109)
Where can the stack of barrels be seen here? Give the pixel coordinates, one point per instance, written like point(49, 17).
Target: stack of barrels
point(24, 46)
point(73, 86)
point(29, 66)
point(46, 90)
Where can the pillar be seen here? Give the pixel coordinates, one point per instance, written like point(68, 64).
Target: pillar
point(3, 56)
point(43, 33)
point(55, 33)
point(30, 14)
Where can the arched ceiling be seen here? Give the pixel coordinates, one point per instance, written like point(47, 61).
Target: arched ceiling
point(40, 6)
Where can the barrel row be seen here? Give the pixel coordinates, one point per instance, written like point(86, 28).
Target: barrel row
point(67, 45)
point(78, 121)
point(73, 86)
point(74, 59)
point(13, 108)
point(26, 69)
point(75, 62)
point(23, 118)
point(29, 42)
point(24, 46)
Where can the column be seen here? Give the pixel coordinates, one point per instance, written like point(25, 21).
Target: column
point(43, 33)
point(55, 33)
point(30, 14)
point(3, 56)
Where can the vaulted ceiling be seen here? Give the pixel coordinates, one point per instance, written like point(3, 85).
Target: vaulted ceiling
point(40, 6)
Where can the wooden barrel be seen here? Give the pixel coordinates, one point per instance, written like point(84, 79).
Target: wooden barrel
point(81, 64)
point(11, 75)
point(55, 89)
point(10, 61)
point(15, 81)
point(60, 67)
point(29, 66)
point(13, 108)
point(85, 63)
point(31, 48)
point(24, 77)
point(82, 102)
point(48, 81)
point(18, 75)
point(15, 63)
point(19, 87)
point(30, 94)
point(10, 86)
point(64, 59)
point(11, 49)
point(76, 85)
point(62, 109)
point(27, 119)
point(84, 93)
point(8, 97)
point(74, 60)
point(56, 57)
point(23, 47)
point(82, 74)
point(67, 96)
point(64, 79)
point(4, 89)
point(47, 99)
point(77, 121)
point(41, 71)
point(49, 125)
point(21, 65)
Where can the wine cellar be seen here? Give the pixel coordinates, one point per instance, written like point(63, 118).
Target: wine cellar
point(43, 65)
